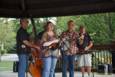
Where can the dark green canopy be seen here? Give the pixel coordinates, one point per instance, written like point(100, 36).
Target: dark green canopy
point(45, 8)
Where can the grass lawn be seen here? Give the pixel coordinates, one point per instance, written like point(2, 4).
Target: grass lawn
point(6, 66)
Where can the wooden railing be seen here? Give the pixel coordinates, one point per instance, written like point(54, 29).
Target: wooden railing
point(101, 54)
point(110, 47)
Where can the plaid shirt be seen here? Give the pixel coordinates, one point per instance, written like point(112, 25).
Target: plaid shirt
point(71, 38)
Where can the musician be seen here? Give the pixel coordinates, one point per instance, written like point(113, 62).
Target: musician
point(23, 46)
point(68, 49)
point(49, 58)
point(84, 44)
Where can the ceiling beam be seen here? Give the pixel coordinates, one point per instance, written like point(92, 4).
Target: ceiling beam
point(75, 10)
point(62, 9)
point(23, 5)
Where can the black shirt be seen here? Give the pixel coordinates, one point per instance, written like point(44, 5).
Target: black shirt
point(86, 41)
point(39, 36)
point(21, 36)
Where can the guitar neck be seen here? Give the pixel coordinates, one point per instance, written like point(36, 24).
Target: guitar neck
point(85, 52)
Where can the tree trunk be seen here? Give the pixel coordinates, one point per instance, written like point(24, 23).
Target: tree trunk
point(110, 25)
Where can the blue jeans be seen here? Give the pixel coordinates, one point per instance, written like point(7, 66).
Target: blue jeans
point(23, 62)
point(49, 66)
point(67, 61)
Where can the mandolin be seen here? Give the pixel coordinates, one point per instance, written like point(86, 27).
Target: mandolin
point(53, 45)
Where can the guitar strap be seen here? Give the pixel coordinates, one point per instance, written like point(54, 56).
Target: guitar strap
point(64, 43)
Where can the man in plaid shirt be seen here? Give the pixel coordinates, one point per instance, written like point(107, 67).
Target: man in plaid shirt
point(69, 49)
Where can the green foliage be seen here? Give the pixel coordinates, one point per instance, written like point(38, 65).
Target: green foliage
point(100, 26)
point(62, 23)
point(6, 66)
point(7, 34)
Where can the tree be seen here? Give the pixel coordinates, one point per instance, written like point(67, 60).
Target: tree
point(100, 26)
point(7, 38)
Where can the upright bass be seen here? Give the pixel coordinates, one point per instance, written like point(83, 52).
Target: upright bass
point(35, 64)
